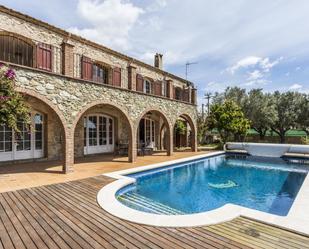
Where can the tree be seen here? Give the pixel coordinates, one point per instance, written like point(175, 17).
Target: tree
point(229, 120)
point(287, 112)
point(180, 127)
point(236, 94)
point(303, 117)
point(259, 109)
point(12, 105)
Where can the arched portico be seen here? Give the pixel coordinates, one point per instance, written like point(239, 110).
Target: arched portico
point(102, 127)
point(53, 136)
point(190, 135)
point(149, 127)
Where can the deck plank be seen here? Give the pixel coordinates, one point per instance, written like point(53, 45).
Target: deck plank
point(67, 215)
point(8, 222)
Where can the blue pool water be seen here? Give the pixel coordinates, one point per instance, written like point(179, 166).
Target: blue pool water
point(264, 184)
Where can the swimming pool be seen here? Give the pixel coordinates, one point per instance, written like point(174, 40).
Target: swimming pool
point(264, 184)
point(211, 188)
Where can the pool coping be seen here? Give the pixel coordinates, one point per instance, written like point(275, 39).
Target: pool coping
point(296, 220)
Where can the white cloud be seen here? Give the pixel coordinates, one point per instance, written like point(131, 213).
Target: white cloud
point(253, 61)
point(255, 75)
point(295, 87)
point(255, 83)
point(109, 21)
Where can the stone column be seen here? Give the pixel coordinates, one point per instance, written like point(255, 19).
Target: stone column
point(170, 141)
point(194, 142)
point(190, 94)
point(132, 78)
point(132, 153)
point(170, 89)
point(67, 59)
point(194, 96)
point(68, 153)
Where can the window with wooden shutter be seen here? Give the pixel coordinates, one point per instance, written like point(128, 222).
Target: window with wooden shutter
point(87, 68)
point(117, 76)
point(158, 88)
point(139, 83)
point(44, 57)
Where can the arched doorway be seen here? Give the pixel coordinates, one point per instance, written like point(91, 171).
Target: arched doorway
point(102, 128)
point(43, 139)
point(185, 135)
point(153, 133)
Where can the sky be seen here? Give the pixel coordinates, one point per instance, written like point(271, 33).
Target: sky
point(250, 44)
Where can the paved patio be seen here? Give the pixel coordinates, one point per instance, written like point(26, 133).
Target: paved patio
point(19, 176)
point(67, 215)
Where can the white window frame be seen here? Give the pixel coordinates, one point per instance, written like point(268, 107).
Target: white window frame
point(104, 148)
point(33, 153)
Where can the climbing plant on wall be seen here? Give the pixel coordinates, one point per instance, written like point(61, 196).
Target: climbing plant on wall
point(12, 103)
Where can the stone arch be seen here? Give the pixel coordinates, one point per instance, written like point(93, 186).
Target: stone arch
point(193, 127)
point(167, 123)
point(67, 158)
point(119, 108)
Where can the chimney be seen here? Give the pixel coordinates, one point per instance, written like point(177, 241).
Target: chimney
point(158, 61)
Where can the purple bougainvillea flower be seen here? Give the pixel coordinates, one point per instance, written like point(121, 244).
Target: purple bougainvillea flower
point(1, 64)
point(4, 98)
point(10, 74)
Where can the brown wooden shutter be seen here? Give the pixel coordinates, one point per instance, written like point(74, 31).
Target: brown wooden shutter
point(139, 83)
point(44, 56)
point(158, 88)
point(117, 76)
point(87, 67)
point(185, 94)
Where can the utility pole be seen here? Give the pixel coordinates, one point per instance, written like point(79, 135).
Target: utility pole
point(208, 96)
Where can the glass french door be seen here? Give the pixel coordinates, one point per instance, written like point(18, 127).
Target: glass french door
point(147, 132)
point(98, 134)
point(25, 144)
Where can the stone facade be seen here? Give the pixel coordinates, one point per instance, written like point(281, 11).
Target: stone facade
point(66, 99)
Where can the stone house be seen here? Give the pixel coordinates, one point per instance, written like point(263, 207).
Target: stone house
point(86, 98)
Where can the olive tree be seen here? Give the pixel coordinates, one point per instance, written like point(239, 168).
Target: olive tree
point(259, 109)
point(229, 120)
point(287, 110)
point(303, 117)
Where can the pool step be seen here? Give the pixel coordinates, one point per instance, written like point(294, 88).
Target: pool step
point(148, 204)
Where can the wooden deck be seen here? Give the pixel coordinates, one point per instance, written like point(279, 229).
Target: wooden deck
point(66, 215)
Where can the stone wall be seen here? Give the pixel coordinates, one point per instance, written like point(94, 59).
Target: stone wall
point(72, 96)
